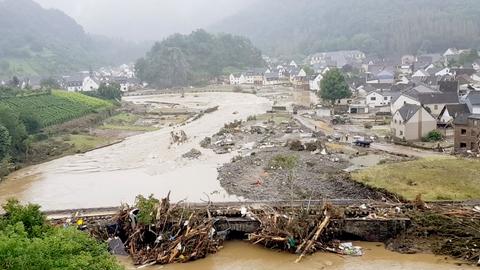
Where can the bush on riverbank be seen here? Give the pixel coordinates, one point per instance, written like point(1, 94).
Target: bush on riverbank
point(27, 241)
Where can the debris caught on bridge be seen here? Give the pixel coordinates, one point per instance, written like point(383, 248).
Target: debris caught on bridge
point(157, 232)
point(294, 231)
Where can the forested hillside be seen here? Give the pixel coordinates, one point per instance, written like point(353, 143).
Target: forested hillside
point(182, 60)
point(35, 41)
point(402, 26)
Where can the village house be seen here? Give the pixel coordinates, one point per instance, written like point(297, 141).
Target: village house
point(467, 125)
point(467, 132)
point(426, 96)
point(450, 112)
point(378, 98)
point(314, 82)
point(254, 76)
point(412, 122)
point(337, 59)
point(272, 78)
point(80, 83)
point(420, 75)
point(380, 75)
point(237, 79)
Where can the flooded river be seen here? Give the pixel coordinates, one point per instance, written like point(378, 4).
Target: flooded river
point(142, 164)
point(244, 256)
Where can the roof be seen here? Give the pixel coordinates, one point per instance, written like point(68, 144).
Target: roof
point(438, 98)
point(407, 111)
point(463, 71)
point(448, 86)
point(421, 73)
point(456, 109)
point(473, 97)
point(461, 119)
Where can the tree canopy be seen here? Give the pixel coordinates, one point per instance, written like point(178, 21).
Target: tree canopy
point(27, 241)
point(182, 60)
point(333, 86)
point(303, 27)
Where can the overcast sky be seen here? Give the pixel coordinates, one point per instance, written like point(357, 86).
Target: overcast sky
point(145, 19)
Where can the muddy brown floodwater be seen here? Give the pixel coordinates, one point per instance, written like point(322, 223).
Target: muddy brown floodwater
point(141, 164)
point(244, 256)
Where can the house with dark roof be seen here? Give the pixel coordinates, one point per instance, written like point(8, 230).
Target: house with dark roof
point(412, 122)
point(450, 112)
point(426, 96)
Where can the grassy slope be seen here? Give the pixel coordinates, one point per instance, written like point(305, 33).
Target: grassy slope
point(56, 108)
point(434, 178)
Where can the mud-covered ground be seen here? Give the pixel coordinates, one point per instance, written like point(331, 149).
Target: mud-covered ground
point(314, 176)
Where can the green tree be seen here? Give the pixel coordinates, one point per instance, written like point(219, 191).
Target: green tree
point(109, 91)
point(5, 143)
point(334, 86)
point(31, 121)
point(27, 241)
point(16, 129)
point(49, 83)
point(309, 70)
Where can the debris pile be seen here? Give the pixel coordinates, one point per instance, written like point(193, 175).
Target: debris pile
point(156, 232)
point(296, 232)
point(178, 137)
point(192, 154)
point(451, 230)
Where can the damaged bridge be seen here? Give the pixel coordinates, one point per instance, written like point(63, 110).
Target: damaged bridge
point(361, 219)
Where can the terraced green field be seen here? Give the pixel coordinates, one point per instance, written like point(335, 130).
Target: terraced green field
point(56, 108)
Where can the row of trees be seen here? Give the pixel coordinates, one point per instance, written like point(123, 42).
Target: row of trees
point(182, 60)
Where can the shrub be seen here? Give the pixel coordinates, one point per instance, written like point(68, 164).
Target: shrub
point(433, 136)
point(147, 207)
point(27, 241)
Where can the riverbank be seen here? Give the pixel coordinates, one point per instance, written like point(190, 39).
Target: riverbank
point(143, 163)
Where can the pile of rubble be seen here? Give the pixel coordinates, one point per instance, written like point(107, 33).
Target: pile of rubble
point(178, 137)
point(192, 154)
point(251, 135)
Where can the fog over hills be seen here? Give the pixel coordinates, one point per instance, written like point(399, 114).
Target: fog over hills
point(286, 27)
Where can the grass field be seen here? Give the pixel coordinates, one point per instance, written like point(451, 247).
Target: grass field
point(434, 178)
point(125, 121)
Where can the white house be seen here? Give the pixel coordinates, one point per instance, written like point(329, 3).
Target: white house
point(314, 82)
point(473, 102)
point(237, 79)
point(293, 64)
point(80, 83)
point(378, 99)
point(402, 100)
point(420, 74)
point(443, 72)
point(90, 84)
point(412, 122)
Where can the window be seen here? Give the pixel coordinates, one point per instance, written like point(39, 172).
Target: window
point(472, 133)
point(463, 145)
point(463, 131)
point(395, 121)
point(373, 98)
point(401, 133)
point(385, 98)
point(435, 107)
